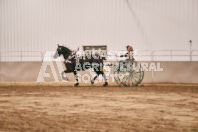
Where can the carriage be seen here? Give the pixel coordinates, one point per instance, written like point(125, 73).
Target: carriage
point(128, 73)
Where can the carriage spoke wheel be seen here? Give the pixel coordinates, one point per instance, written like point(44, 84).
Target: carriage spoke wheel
point(128, 74)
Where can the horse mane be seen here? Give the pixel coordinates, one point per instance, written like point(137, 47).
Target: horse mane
point(65, 49)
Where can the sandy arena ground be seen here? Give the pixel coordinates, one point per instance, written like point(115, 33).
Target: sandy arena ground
point(62, 107)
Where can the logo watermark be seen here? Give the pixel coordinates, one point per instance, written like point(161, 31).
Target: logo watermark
point(125, 68)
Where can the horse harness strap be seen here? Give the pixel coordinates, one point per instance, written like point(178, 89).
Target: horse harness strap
point(73, 54)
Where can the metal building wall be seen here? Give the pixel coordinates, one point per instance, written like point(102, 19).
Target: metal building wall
point(38, 25)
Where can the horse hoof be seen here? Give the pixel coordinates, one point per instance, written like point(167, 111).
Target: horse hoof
point(76, 84)
point(106, 84)
point(92, 83)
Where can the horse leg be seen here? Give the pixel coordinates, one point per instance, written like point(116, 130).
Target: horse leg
point(104, 76)
point(75, 74)
point(69, 68)
point(67, 71)
point(64, 78)
point(92, 81)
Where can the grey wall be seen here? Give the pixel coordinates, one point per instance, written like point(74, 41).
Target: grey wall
point(173, 72)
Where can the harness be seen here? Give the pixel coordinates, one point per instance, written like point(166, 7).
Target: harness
point(72, 56)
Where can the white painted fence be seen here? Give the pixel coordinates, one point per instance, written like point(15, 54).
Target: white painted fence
point(140, 55)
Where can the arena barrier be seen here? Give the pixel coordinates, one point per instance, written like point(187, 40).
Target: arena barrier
point(163, 71)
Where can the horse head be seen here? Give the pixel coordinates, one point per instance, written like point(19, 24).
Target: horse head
point(61, 50)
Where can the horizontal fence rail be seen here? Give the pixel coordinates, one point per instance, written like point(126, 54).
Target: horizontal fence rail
point(139, 55)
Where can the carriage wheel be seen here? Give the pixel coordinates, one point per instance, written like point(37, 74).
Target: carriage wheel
point(129, 74)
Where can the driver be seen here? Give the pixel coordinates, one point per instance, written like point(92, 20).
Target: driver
point(129, 54)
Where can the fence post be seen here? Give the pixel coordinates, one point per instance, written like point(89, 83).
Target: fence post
point(21, 55)
point(191, 55)
point(42, 60)
point(152, 56)
point(190, 41)
point(171, 55)
point(42, 56)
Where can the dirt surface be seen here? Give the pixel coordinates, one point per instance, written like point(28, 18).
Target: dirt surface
point(62, 107)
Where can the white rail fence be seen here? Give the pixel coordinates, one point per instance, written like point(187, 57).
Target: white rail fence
point(140, 55)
